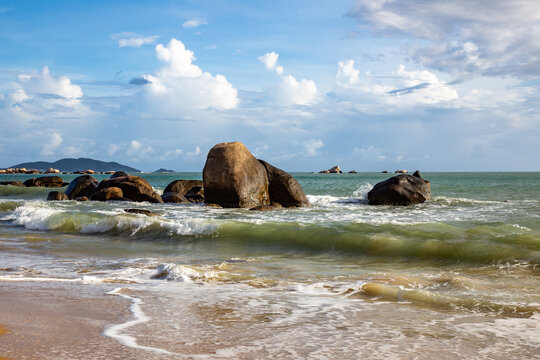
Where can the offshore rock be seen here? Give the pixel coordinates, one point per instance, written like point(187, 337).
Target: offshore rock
point(182, 186)
point(283, 188)
point(84, 185)
point(13, 183)
point(134, 188)
point(118, 174)
point(173, 197)
point(56, 196)
point(234, 178)
point(141, 211)
point(111, 193)
point(400, 190)
point(45, 181)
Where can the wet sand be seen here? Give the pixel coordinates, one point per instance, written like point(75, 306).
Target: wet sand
point(46, 321)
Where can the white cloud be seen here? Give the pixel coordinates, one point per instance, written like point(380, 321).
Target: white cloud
point(290, 91)
point(113, 148)
point(180, 86)
point(463, 36)
point(54, 142)
point(134, 147)
point(270, 61)
point(130, 39)
point(312, 146)
point(45, 83)
point(170, 154)
point(196, 152)
point(194, 22)
point(403, 88)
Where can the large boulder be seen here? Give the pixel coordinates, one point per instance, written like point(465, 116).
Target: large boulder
point(400, 190)
point(283, 188)
point(111, 193)
point(45, 181)
point(56, 196)
point(234, 178)
point(134, 188)
point(84, 185)
point(196, 194)
point(182, 186)
point(173, 197)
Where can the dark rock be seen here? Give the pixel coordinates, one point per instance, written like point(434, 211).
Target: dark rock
point(119, 174)
point(13, 183)
point(107, 194)
point(400, 190)
point(196, 194)
point(84, 185)
point(142, 212)
point(353, 172)
point(335, 170)
point(56, 195)
point(65, 184)
point(234, 178)
point(283, 188)
point(173, 197)
point(266, 207)
point(182, 187)
point(162, 170)
point(45, 181)
point(134, 188)
point(82, 198)
point(385, 171)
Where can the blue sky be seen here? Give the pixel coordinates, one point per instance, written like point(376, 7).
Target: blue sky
point(369, 85)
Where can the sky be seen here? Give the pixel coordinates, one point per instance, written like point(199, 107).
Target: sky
point(367, 85)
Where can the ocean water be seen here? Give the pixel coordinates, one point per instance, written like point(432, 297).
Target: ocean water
point(455, 277)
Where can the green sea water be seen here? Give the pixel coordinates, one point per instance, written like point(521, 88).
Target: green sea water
point(458, 275)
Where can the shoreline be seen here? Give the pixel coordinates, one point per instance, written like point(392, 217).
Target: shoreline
point(49, 320)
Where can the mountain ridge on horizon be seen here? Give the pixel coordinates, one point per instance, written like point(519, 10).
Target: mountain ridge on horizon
point(80, 164)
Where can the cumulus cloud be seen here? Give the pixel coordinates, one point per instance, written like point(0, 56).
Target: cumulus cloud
point(194, 23)
point(196, 152)
point(130, 39)
point(290, 91)
point(45, 83)
point(270, 61)
point(463, 36)
point(54, 142)
point(312, 146)
point(180, 86)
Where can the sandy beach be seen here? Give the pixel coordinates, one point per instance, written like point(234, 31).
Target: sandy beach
point(46, 321)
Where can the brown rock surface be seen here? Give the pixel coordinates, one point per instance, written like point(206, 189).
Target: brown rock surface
point(56, 196)
point(84, 185)
point(107, 194)
point(182, 186)
point(283, 188)
point(173, 197)
point(134, 188)
point(45, 181)
point(233, 177)
point(400, 190)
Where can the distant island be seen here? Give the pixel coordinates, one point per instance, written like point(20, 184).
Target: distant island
point(162, 170)
point(80, 164)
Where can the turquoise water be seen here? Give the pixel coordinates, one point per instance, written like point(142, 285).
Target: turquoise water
point(459, 273)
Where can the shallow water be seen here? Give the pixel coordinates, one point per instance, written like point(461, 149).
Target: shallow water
point(457, 276)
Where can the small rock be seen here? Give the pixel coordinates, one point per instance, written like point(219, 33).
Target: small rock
point(141, 211)
point(56, 196)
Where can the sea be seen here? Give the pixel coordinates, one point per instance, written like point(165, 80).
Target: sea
point(455, 277)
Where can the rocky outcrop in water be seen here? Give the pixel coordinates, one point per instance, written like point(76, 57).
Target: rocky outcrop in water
point(182, 186)
point(234, 178)
point(333, 170)
point(283, 189)
point(400, 190)
point(134, 188)
point(13, 183)
point(45, 181)
point(56, 196)
point(85, 185)
point(118, 174)
point(110, 193)
point(173, 197)
point(141, 212)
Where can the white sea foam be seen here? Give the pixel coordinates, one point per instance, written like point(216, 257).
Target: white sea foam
point(115, 331)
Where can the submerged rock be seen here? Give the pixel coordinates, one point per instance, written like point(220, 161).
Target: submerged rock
point(283, 188)
point(45, 181)
point(84, 185)
point(173, 197)
point(134, 188)
point(13, 183)
point(56, 196)
point(142, 212)
point(234, 178)
point(400, 190)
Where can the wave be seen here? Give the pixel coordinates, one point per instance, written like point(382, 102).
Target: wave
point(30, 193)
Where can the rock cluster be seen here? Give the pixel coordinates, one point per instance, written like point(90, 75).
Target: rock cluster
point(333, 170)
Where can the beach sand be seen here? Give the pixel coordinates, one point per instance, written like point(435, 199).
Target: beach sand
point(47, 321)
